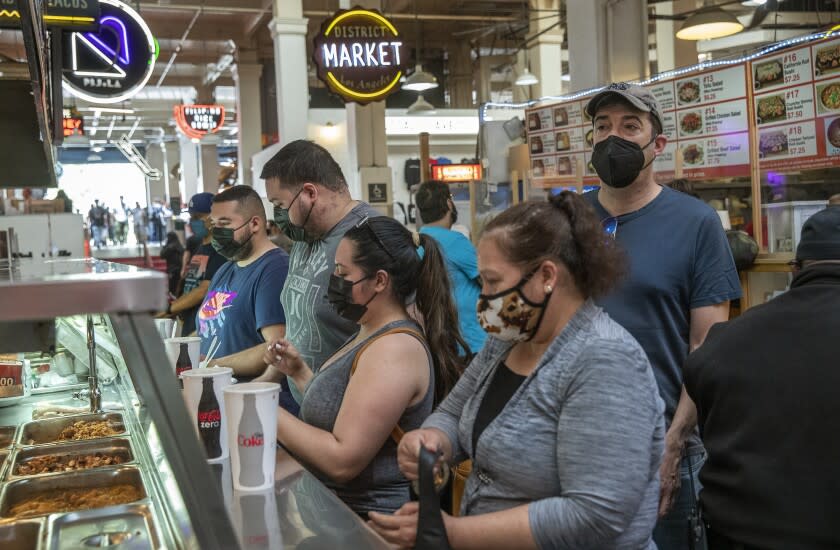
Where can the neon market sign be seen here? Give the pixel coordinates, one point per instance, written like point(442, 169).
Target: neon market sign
point(196, 121)
point(56, 13)
point(359, 55)
point(114, 63)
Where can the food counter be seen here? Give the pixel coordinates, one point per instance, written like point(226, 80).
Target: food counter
point(96, 446)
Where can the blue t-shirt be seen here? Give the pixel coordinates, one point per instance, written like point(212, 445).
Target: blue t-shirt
point(241, 301)
point(462, 265)
point(679, 260)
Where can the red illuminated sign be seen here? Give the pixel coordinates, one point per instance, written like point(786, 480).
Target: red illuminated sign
point(453, 173)
point(74, 126)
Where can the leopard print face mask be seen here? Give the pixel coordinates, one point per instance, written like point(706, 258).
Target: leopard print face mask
point(509, 315)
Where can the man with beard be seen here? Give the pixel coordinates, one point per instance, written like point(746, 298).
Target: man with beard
point(242, 307)
point(681, 278)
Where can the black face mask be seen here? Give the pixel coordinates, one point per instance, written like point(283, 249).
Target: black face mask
point(340, 296)
point(618, 161)
point(454, 214)
point(284, 222)
point(225, 243)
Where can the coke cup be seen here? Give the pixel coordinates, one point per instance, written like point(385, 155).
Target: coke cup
point(252, 428)
point(256, 519)
point(184, 353)
point(164, 327)
point(203, 394)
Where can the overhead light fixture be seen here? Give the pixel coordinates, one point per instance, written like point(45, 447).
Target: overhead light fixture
point(566, 77)
point(108, 110)
point(97, 149)
point(421, 107)
point(329, 131)
point(527, 78)
point(709, 22)
point(420, 80)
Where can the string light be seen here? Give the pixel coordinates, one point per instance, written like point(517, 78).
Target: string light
point(662, 76)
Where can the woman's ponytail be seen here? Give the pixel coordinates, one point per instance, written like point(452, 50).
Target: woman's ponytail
point(440, 317)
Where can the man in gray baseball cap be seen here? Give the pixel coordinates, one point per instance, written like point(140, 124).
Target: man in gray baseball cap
point(681, 278)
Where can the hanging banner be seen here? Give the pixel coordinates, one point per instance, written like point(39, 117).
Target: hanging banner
point(114, 63)
point(359, 55)
point(196, 121)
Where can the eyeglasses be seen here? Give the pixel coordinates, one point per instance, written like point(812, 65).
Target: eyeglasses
point(364, 223)
point(610, 226)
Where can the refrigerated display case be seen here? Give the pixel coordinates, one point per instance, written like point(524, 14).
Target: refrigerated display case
point(96, 445)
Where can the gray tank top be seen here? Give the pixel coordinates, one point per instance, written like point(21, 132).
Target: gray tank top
point(380, 487)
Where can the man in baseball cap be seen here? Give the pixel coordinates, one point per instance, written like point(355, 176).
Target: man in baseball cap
point(201, 261)
point(681, 278)
point(765, 385)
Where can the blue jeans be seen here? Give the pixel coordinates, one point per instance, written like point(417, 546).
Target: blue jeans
point(98, 237)
point(671, 532)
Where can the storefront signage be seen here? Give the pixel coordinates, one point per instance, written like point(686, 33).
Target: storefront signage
point(453, 173)
point(359, 55)
point(57, 13)
point(74, 123)
point(196, 121)
point(114, 63)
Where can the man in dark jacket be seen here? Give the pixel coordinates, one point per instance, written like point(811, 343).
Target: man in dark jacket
point(765, 385)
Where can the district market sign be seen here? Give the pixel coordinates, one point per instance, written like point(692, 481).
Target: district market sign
point(359, 55)
point(114, 63)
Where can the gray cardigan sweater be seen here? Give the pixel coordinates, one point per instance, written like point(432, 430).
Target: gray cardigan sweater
point(580, 441)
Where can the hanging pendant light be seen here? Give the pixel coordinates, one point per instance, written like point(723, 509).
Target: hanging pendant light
point(421, 107)
point(709, 22)
point(527, 78)
point(420, 80)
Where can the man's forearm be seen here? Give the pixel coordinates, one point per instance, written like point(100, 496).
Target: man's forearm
point(188, 301)
point(685, 419)
point(247, 362)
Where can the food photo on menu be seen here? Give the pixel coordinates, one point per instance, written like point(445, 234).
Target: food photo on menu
point(534, 121)
point(772, 143)
point(563, 143)
point(561, 116)
point(771, 109)
point(832, 136)
point(827, 60)
point(829, 96)
point(688, 91)
point(691, 122)
point(589, 138)
point(769, 73)
point(536, 145)
point(693, 154)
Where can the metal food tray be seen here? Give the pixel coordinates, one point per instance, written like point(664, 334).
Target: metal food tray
point(120, 446)
point(7, 436)
point(21, 535)
point(45, 432)
point(127, 526)
point(18, 491)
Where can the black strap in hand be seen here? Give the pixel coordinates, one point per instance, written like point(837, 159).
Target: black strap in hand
point(431, 533)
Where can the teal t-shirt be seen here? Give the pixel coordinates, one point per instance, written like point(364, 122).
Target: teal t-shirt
point(462, 265)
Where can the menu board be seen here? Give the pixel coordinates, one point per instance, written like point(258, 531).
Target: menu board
point(705, 117)
point(794, 95)
point(560, 140)
point(797, 105)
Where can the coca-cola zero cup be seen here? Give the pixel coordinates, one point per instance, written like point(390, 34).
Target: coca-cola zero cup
point(203, 394)
point(184, 353)
point(252, 428)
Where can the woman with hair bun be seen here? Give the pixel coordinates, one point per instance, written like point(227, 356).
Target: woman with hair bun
point(560, 411)
point(387, 378)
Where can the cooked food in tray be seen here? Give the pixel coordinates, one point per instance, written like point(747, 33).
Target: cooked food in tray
point(773, 143)
point(66, 463)
point(87, 429)
point(67, 500)
point(691, 123)
point(769, 73)
point(830, 97)
point(7, 436)
point(827, 59)
point(771, 109)
point(689, 91)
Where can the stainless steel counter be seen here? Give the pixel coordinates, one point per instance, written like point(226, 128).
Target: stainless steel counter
point(298, 513)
